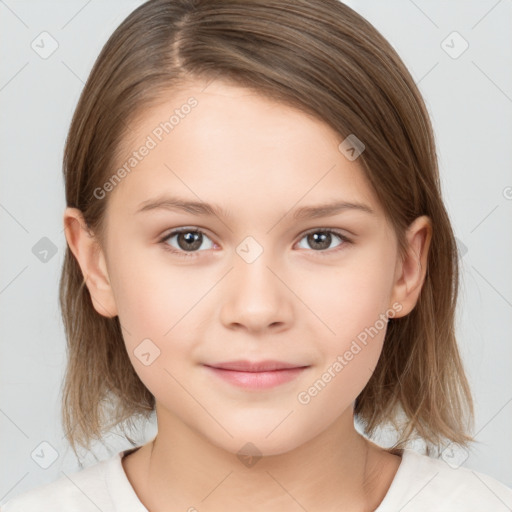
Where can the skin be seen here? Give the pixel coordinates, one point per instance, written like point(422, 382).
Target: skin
point(260, 160)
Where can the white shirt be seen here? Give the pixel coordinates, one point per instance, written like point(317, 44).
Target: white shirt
point(421, 484)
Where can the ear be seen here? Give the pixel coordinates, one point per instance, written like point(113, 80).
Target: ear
point(411, 271)
point(89, 255)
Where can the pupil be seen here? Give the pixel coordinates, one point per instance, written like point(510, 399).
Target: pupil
point(192, 239)
point(321, 239)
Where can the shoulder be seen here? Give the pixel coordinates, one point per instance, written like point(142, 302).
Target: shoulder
point(424, 483)
point(82, 491)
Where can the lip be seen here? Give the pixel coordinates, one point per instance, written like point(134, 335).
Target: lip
point(256, 366)
point(256, 375)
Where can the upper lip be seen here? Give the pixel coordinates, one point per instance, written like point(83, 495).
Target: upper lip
point(256, 366)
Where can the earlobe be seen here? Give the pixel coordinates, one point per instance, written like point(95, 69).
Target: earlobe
point(411, 271)
point(91, 259)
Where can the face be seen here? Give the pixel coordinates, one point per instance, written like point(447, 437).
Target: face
point(262, 277)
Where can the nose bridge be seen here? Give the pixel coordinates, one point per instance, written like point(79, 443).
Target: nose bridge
point(252, 264)
point(257, 298)
point(250, 250)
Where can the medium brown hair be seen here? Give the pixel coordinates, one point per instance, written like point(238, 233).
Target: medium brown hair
point(326, 60)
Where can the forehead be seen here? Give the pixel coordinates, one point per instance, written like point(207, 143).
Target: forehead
point(228, 144)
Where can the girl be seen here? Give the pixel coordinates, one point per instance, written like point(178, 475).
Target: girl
point(258, 251)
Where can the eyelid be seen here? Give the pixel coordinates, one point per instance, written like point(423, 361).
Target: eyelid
point(345, 240)
point(336, 231)
point(176, 231)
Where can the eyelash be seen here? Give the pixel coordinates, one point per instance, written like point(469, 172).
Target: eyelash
point(185, 254)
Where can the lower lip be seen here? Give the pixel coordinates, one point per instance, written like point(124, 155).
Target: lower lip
point(257, 380)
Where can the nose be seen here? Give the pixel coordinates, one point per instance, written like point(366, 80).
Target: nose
point(256, 297)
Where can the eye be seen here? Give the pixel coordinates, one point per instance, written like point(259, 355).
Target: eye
point(321, 239)
point(188, 241)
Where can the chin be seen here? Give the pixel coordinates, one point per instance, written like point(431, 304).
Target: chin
point(246, 446)
point(263, 438)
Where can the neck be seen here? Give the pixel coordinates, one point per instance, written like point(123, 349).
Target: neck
point(336, 470)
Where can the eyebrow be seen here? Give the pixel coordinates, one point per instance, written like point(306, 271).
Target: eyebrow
point(202, 208)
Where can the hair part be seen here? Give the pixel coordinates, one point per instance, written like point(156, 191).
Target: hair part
point(324, 59)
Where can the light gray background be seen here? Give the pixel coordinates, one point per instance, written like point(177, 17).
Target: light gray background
point(470, 101)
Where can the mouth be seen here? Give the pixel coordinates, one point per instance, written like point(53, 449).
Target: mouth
point(256, 375)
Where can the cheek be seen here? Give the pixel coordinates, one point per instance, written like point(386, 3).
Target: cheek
point(352, 303)
point(153, 293)
point(348, 298)
point(158, 306)
point(349, 356)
